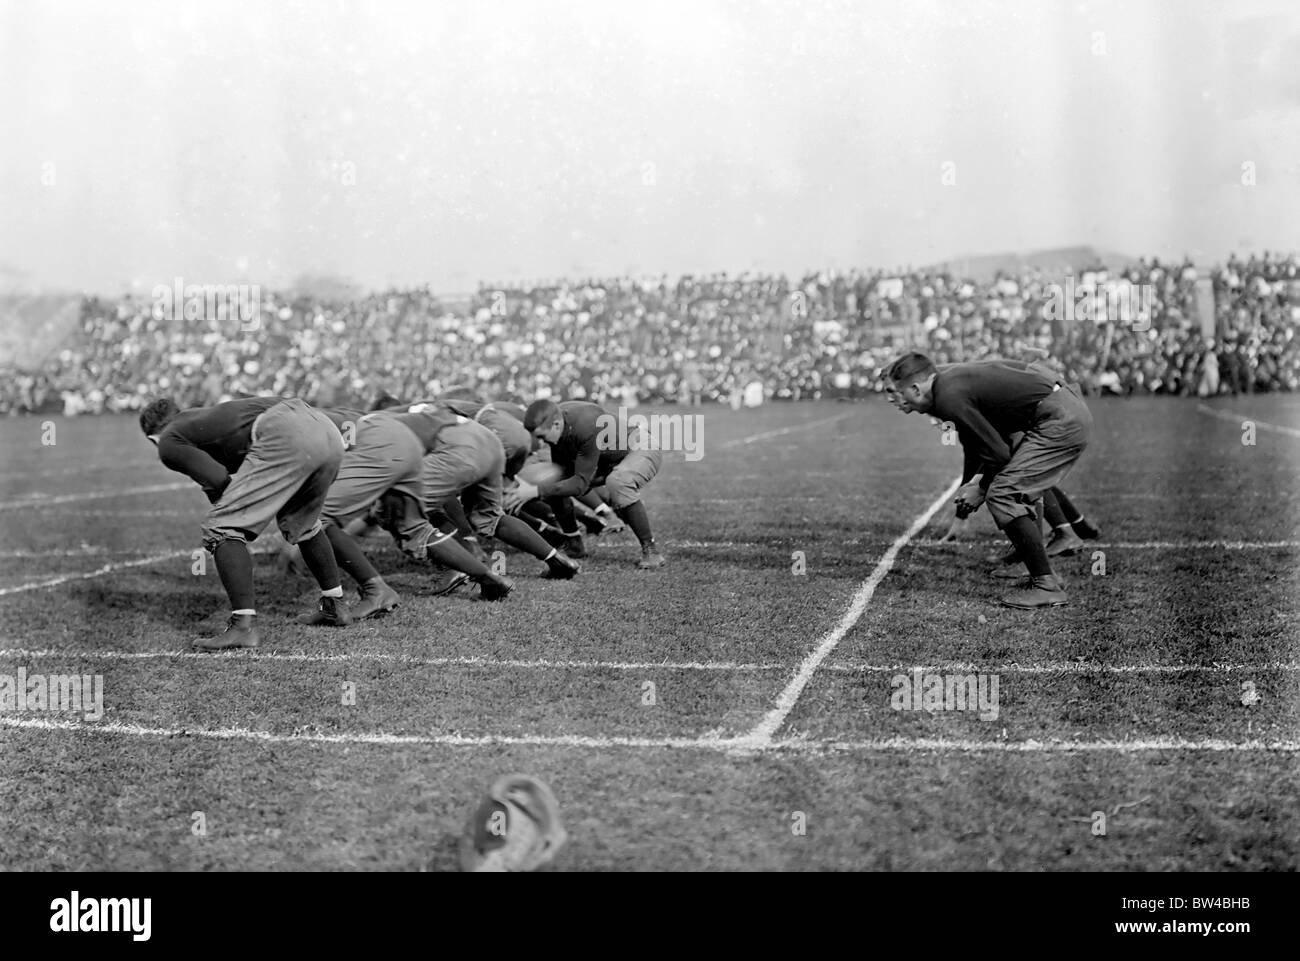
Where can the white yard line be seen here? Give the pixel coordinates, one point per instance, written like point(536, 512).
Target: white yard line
point(781, 432)
point(1239, 419)
point(362, 656)
point(742, 745)
point(1063, 667)
point(930, 542)
point(91, 496)
point(762, 733)
point(543, 664)
point(87, 575)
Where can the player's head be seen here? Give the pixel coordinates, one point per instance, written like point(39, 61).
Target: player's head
point(909, 382)
point(155, 417)
point(386, 401)
point(461, 392)
point(544, 420)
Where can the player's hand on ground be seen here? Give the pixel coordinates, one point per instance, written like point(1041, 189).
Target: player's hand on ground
point(520, 494)
point(969, 499)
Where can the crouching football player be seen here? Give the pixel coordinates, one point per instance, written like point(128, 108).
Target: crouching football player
point(574, 431)
point(257, 460)
point(463, 471)
point(988, 402)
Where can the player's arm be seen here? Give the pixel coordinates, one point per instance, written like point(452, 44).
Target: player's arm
point(187, 459)
point(578, 482)
point(981, 441)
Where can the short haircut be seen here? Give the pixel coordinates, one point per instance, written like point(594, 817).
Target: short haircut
point(910, 368)
point(385, 401)
point(540, 413)
point(155, 417)
point(460, 392)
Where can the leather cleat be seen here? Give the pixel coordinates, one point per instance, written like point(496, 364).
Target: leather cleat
point(331, 613)
point(494, 587)
point(573, 546)
point(1043, 591)
point(562, 568)
point(377, 599)
point(1064, 543)
point(446, 580)
point(239, 632)
point(650, 558)
point(1086, 530)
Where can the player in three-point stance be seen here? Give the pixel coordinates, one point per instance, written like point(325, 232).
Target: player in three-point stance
point(988, 402)
point(574, 429)
point(257, 460)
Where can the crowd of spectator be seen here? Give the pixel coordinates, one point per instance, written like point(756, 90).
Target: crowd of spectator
point(696, 339)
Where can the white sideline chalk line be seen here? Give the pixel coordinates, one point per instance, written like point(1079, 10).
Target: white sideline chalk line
point(1238, 418)
point(752, 438)
point(849, 667)
point(740, 745)
point(91, 496)
point(98, 572)
point(762, 733)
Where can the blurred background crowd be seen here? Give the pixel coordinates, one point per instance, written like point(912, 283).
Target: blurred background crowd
point(741, 339)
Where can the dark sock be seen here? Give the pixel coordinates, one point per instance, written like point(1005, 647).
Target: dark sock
point(449, 553)
point(635, 517)
point(539, 510)
point(518, 534)
point(455, 512)
point(235, 566)
point(1024, 533)
point(1069, 512)
point(563, 509)
point(1085, 529)
point(319, 557)
point(1052, 509)
point(349, 555)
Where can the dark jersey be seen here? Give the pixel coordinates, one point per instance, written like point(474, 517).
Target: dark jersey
point(342, 418)
point(988, 401)
point(579, 452)
point(208, 444)
point(427, 421)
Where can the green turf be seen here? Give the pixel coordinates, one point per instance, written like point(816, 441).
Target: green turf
point(718, 633)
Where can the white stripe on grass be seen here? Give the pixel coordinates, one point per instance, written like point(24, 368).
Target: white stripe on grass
point(91, 496)
point(782, 431)
point(544, 664)
point(705, 742)
point(1240, 419)
point(762, 733)
point(98, 572)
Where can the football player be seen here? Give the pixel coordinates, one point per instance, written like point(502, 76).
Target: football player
point(257, 459)
point(988, 402)
point(573, 429)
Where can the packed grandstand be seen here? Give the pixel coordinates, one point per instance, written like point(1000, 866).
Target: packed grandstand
point(696, 339)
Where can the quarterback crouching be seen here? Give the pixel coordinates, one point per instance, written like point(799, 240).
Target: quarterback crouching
point(581, 448)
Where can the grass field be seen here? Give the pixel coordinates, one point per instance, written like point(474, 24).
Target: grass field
point(1165, 695)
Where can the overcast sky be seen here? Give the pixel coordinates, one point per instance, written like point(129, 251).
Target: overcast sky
point(226, 141)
